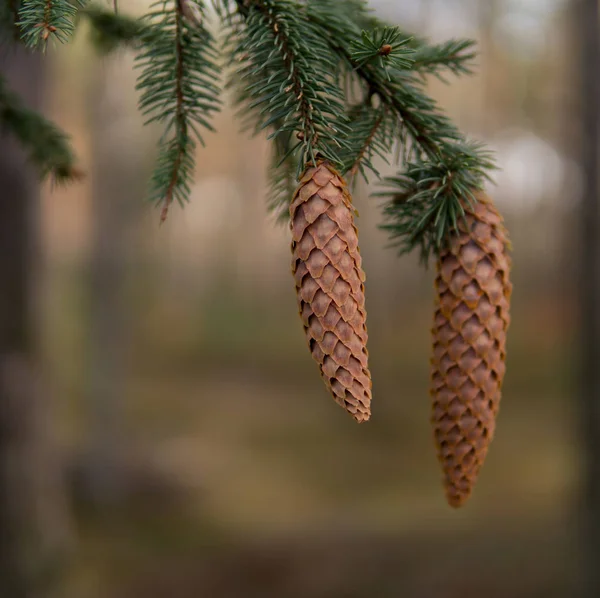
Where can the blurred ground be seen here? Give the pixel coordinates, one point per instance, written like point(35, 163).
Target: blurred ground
point(243, 468)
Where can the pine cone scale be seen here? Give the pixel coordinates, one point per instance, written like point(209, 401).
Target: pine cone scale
point(329, 284)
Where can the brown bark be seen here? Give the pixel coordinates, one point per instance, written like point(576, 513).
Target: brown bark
point(589, 289)
point(118, 175)
point(32, 509)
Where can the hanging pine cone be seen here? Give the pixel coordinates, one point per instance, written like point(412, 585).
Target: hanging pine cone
point(469, 345)
point(329, 285)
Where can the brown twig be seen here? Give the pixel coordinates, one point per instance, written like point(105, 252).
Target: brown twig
point(296, 87)
point(365, 147)
point(45, 26)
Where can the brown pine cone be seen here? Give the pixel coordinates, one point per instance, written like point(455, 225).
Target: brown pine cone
point(469, 345)
point(329, 285)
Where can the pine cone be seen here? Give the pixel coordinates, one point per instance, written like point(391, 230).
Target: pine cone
point(469, 345)
point(329, 285)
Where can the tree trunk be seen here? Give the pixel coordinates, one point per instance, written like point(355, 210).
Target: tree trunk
point(590, 291)
point(119, 168)
point(32, 509)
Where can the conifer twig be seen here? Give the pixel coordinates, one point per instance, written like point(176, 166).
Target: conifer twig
point(48, 147)
point(41, 20)
point(366, 145)
point(177, 84)
point(387, 47)
point(180, 122)
point(442, 169)
point(47, 29)
point(287, 70)
point(419, 113)
point(454, 55)
point(378, 60)
point(426, 201)
point(297, 87)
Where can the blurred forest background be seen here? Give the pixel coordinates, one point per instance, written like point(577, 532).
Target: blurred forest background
point(185, 445)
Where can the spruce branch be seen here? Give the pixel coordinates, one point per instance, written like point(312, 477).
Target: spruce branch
point(47, 146)
point(284, 161)
point(325, 78)
point(426, 201)
point(435, 153)
point(346, 23)
point(41, 20)
point(374, 130)
point(388, 68)
point(444, 171)
point(455, 55)
point(368, 143)
point(401, 90)
point(177, 84)
point(287, 69)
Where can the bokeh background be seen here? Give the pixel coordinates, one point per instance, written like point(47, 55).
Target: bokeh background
point(202, 455)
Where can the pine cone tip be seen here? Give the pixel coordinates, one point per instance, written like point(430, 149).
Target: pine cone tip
point(360, 417)
point(457, 497)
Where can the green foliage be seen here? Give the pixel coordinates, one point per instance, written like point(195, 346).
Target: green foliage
point(385, 47)
point(323, 79)
point(455, 55)
point(346, 22)
point(374, 133)
point(285, 67)
point(47, 146)
point(178, 63)
point(42, 20)
point(430, 196)
point(111, 31)
point(430, 142)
